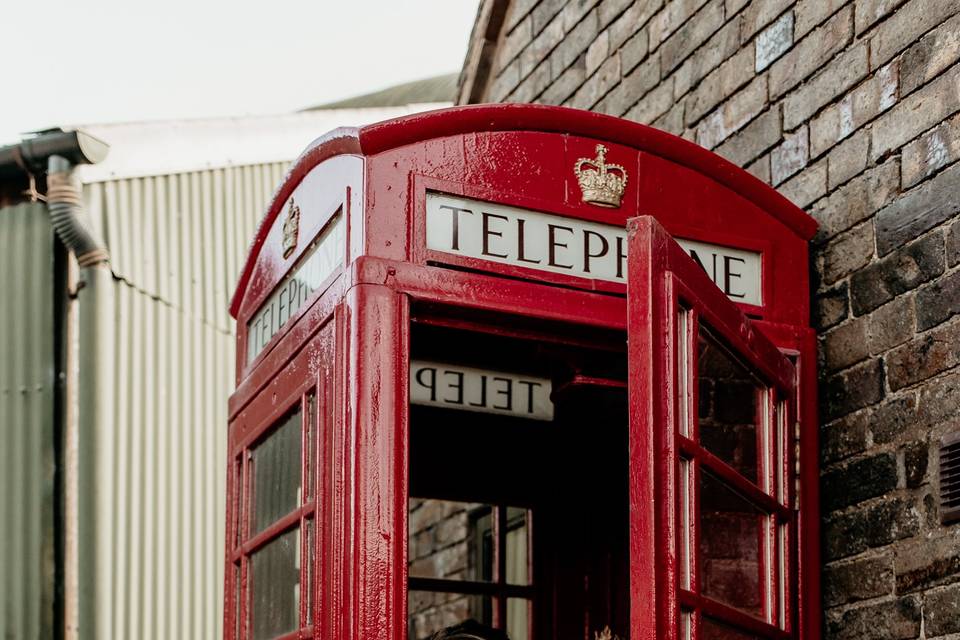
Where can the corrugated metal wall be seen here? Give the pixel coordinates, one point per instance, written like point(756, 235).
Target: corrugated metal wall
point(177, 244)
point(27, 378)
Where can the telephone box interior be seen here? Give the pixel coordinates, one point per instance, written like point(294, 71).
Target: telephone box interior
point(539, 368)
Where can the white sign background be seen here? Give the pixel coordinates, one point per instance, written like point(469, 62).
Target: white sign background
point(546, 242)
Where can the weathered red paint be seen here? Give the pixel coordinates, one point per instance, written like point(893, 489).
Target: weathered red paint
point(350, 340)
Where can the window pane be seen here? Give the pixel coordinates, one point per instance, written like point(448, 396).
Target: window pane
point(727, 408)
point(309, 558)
point(518, 611)
point(730, 529)
point(429, 612)
point(276, 587)
point(450, 540)
point(276, 473)
point(517, 547)
point(713, 630)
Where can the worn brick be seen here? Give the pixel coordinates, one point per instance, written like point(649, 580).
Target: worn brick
point(846, 253)
point(923, 208)
point(904, 26)
point(894, 620)
point(917, 112)
point(939, 400)
point(806, 187)
point(938, 301)
point(721, 46)
point(858, 580)
point(869, 12)
point(811, 53)
point(733, 114)
point(857, 200)
point(672, 120)
point(953, 244)
point(691, 35)
point(720, 84)
point(533, 85)
point(810, 13)
point(514, 43)
point(916, 460)
point(930, 152)
point(608, 10)
point(760, 168)
point(831, 306)
point(774, 41)
point(905, 269)
point(859, 481)
point(840, 74)
point(634, 51)
point(541, 46)
point(925, 563)
point(753, 140)
point(941, 615)
point(598, 84)
point(574, 11)
point(631, 21)
point(845, 345)
point(565, 82)
point(760, 13)
point(935, 52)
point(505, 82)
point(652, 105)
point(632, 87)
point(853, 389)
point(848, 159)
point(598, 52)
point(544, 13)
point(845, 437)
point(673, 15)
point(869, 527)
point(924, 357)
point(518, 10)
point(790, 157)
point(890, 325)
point(576, 41)
point(894, 420)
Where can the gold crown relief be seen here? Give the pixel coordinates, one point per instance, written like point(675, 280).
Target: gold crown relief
point(601, 183)
point(606, 634)
point(291, 229)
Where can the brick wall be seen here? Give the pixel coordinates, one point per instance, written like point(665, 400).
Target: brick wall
point(849, 108)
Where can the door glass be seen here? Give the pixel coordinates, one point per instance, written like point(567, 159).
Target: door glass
point(517, 546)
point(275, 605)
point(713, 630)
point(276, 473)
point(430, 611)
point(440, 540)
point(727, 409)
point(517, 618)
point(730, 552)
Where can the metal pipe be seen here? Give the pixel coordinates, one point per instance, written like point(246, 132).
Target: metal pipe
point(64, 203)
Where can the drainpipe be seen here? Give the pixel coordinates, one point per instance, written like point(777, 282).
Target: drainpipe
point(90, 353)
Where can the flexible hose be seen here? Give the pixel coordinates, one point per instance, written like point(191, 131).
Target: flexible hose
point(65, 206)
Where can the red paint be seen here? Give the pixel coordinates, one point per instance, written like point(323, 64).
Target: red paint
point(349, 342)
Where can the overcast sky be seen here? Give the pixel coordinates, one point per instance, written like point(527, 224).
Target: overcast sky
point(81, 61)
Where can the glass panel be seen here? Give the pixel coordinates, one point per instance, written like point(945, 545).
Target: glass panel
point(308, 556)
point(727, 408)
point(429, 612)
point(517, 547)
point(276, 473)
point(730, 530)
point(450, 540)
point(686, 526)
point(713, 630)
point(686, 625)
point(683, 372)
point(309, 458)
point(518, 616)
point(275, 597)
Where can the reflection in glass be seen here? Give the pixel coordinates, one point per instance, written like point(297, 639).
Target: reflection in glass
point(275, 598)
point(440, 542)
point(518, 610)
point(713, 630)
point(517, 546)
point(429, 612)
point(276, 473)
point(727, 408)
point(730, 546)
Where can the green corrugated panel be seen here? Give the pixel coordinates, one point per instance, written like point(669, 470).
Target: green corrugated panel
point(27, 377)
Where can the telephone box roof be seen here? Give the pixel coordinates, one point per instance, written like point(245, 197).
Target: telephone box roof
point(382, 136)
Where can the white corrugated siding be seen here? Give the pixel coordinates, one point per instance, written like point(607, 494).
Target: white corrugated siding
point(27, 379)
point(177, 244)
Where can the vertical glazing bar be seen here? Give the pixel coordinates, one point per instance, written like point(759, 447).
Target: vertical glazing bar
point(500, 564)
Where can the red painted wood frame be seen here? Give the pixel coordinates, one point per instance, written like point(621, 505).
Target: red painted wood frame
point(488, 152)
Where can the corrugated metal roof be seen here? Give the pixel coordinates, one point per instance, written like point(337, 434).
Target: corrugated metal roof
point(179, 146)
point(438, 89)
point(27, 379)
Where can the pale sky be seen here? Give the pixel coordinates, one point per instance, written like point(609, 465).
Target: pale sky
point(84, 61)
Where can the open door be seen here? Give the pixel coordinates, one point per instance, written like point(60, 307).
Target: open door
point(712, 409)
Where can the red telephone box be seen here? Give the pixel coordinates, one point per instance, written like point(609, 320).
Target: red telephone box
point(539, 367)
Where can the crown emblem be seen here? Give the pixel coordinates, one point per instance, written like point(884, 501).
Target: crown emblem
point(291, 229)
point(606, 634)
point(601, 183)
